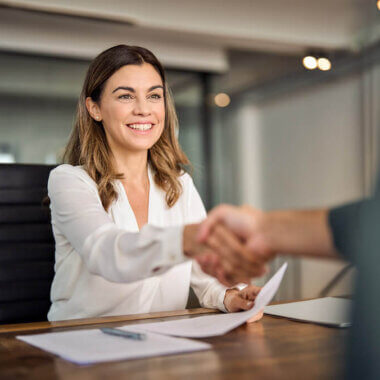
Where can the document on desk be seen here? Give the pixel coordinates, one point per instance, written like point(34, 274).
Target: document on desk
point(213, 325)
point(93, 346)
point(329, 311)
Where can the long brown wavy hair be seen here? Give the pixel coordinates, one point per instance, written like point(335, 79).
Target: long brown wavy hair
point(88, 145)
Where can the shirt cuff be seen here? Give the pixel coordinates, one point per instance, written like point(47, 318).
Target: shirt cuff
point(172, 252)
point(174, 245)
point(220, 301)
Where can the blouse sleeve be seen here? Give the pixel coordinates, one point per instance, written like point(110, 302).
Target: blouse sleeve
point(209, 291)
point(106, 250)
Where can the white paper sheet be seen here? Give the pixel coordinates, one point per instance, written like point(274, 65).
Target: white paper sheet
point(93, 346)
point(213, 325)
point(328, 311)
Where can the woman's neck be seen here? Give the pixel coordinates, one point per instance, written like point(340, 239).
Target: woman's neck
point(133, 165)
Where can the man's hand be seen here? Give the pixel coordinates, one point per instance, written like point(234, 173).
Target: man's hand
point(249, 226)
point(227, 258)
point(220, 256)
point(241, 240)
point(240, 220)
point(265, 234)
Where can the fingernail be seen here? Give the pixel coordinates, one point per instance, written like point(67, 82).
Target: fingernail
point(250, 303)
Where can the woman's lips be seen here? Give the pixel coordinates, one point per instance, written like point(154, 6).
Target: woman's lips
point(140, 128)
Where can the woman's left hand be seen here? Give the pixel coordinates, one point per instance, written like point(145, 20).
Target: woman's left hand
point(237, 300)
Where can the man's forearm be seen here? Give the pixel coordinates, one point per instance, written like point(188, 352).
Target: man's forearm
point(301, 233)
point(265, 235)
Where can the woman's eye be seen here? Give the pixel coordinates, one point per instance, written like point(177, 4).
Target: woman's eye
point(155, 96)
point(125, 96)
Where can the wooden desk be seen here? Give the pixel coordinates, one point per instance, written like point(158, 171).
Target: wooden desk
point(274, 348)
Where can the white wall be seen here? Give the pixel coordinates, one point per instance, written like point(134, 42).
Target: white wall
point(305, 149)
point(310, 146)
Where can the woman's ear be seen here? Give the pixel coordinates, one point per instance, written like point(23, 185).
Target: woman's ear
point(93, 109)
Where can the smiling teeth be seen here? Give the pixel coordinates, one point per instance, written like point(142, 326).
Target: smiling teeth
point(140, 127)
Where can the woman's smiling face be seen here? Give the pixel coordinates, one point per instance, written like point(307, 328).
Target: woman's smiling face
point(131, 108)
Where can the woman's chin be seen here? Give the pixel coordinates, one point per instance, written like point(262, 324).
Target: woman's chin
point(138, 147)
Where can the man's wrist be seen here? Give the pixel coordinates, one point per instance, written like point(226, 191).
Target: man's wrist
point(300, 232)
point(278, 227)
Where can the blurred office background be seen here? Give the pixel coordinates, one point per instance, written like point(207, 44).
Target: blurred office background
point(258, 126)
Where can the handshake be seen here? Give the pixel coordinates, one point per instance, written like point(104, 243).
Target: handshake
point(234, 244)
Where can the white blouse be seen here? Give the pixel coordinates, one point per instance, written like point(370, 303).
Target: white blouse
point(105, 266)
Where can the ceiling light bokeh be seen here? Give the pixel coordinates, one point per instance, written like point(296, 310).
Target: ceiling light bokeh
point(309, 62)
point(324, 64)
point(222, 100)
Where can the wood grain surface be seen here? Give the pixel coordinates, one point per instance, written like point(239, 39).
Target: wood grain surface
point(92, 321)
point(274, 348)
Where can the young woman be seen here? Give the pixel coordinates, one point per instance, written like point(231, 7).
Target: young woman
point(120, 204)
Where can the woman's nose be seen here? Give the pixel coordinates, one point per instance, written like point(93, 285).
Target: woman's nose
point(141, 108)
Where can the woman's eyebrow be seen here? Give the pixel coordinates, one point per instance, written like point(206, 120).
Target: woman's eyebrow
point(124, 88)
point(154, 87)
point(131, 89)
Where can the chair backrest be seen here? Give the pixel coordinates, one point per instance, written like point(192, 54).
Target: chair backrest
point(26, 243)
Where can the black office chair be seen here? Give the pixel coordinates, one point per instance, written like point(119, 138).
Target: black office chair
point(26, 243)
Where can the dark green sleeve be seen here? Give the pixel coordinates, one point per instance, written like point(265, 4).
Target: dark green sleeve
point(356, 232)
point(356, 228)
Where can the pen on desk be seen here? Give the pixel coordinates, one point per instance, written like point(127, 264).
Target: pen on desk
point(123, 333)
